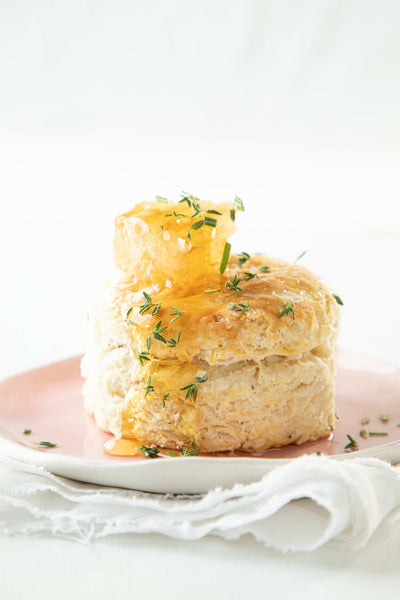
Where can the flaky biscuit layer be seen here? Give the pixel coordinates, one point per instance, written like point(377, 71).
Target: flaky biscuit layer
point(270, 380)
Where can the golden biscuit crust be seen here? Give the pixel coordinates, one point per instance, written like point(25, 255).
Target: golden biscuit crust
point(270, 380)
point(212, 331)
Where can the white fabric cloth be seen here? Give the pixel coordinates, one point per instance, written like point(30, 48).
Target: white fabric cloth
point(299, 506)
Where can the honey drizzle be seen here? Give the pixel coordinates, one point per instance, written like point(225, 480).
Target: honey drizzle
point(201, 312)
point(119, 446)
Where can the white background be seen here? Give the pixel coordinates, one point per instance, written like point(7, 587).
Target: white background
point(291, 104)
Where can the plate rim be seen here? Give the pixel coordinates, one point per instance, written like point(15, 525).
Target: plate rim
point(343, 354)
point(176, 476)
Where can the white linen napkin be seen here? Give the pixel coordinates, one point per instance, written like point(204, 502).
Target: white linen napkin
point(299, 506)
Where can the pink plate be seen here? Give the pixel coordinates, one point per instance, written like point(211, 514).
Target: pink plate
point(48, 401)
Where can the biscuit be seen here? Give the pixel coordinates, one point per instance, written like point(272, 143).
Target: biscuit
point(268, 371)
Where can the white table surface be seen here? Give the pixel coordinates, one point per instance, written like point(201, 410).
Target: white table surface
point(150, 566)
point(291, 105)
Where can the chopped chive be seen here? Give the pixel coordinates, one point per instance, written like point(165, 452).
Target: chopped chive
point(301, 256)
point(338, 299)
point(193, 452)
point(238, 204)
point(211, 291)
point(164, 399)
point(384, 417)
point(365, 421)
point(143, 356)
point(174, 214)
point(286, 310)
point(171, 343)
point(242, 258)
point(210, 222)
point(156, 309)
point(364, 434)
point(149, 388)
point(47, 444)
point(161, 199)
point(213, 212)
point(27, 431)
point(148, 305)
point(149, 452)
point(127, 319)
point(186, 452)
point(187, 200)
point(176, 314)
point(242, 307)
point(191, 201)
point(352, 445)
point(196, 207)
point(264, 269)
point(157, 331)
point(234, 285)
point(225, 257)
point(191, 388)
point(376, 433)
point(248, 276)
point(197, 225)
